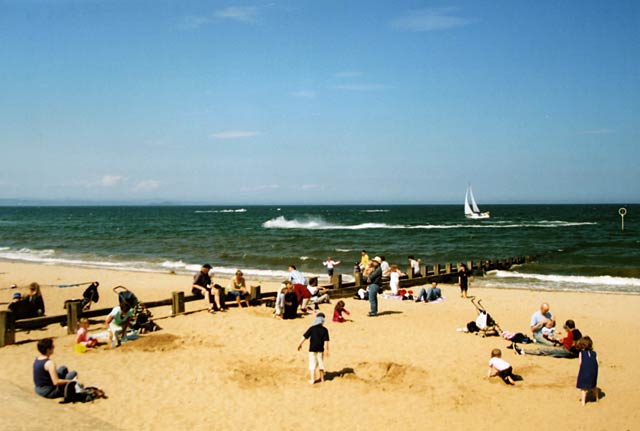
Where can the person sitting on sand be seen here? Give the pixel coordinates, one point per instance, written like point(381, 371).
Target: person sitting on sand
point(117, 323)
point(549, 332)
point(202, 286)
point(238, 288)
point(48, 380)
point(337, 313)
point(290, 303)
point(500, 367)
point(539, 320)
point(566, 350)
point(428, 295)
point(82, 335)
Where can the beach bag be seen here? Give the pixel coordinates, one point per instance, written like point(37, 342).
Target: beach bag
point(75, 392)
point(472, 327)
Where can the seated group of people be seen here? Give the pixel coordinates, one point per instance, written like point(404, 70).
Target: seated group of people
point(214, 294)
point(28, 306)
point(543, 328)
point(298, 293)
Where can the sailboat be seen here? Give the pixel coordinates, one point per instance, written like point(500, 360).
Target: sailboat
point(471, 210)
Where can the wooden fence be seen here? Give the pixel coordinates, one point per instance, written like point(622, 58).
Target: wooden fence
point(446, 273)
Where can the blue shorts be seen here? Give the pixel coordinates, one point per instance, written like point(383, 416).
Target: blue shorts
point(238, 293)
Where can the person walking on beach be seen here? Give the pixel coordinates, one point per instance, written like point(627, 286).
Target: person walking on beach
point(588, 373)
point(500, 367)
point(415, 267)
point(318, 337)
point(463, 280)
point(374, 279)
point(330, 264)
point(202, 286)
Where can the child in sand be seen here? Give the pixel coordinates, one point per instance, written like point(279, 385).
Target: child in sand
point(337, 312)
point(500, 367)
point(82, 335)
point(394, 279)
point(318, 344)
point(588, 372)
point(549, 332)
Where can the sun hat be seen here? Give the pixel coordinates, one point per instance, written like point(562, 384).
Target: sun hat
point(377, 259)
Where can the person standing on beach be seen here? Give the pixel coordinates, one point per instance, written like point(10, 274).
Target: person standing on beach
point(318, 337)
point(202, 286)
point(374, 279)
point(588, 373)
point(463, 280)
point(364, 260)
point(330, 264)
point(539, 320)
point(415, 267)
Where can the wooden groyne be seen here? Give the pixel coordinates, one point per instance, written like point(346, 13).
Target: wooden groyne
point(447, 273)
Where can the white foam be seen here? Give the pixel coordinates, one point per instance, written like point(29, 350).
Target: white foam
point(240, 210)
point(602, 280)
point(317, 223)
point(374, 211)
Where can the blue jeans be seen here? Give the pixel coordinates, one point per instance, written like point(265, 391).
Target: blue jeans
point(541, 340)
point(373, 298)
point(56, 391)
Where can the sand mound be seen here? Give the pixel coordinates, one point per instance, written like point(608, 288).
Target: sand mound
point(154, 343)
point(391, 374)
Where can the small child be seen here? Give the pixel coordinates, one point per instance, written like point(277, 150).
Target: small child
point(82, 335)
point(549, 332)
point(318, 343)
point(500, 367)
point(394, 279)
point(588, 374)
point(337, 313)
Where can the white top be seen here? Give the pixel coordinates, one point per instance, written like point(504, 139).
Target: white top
point(415, 265)
point(499, 364)
point(394, 280)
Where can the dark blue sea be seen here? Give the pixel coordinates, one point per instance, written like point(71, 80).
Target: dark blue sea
point(577, 247)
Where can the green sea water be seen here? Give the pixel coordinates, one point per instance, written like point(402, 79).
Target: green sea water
point(577, 247)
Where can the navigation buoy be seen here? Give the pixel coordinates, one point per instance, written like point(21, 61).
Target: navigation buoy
point(622, 212)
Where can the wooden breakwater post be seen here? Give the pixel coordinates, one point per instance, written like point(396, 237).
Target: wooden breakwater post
point(74, 312)
point(357, 277)
point(336, 281)
point(7, 328)
point(254, 293)
point(177, 303)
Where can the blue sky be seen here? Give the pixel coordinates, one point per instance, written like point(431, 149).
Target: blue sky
point(320, 101)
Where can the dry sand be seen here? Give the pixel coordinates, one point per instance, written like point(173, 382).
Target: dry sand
point(406, 369)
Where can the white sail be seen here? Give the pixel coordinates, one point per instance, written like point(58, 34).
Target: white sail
point(474, 205)
point(467, 208)
point(471, 210)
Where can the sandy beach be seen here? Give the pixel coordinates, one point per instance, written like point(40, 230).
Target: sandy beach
point(406, 369)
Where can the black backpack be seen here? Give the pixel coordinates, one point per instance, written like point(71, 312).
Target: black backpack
point(74, 392)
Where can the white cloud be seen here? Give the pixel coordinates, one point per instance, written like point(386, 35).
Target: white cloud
point(308, 94)
point(597, 132)
point(430, 19)
point(110, 180)
point(247, 14)
point(146, 185)
point(360, 87)
point(347, 74)
point(196, 21)
point(260, 188)
point(233, 134)
point(311, 187)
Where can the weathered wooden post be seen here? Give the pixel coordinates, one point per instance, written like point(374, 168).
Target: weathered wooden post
point(423, 270)
point(436, 269)
point(177, 303)
point(470, 265)
point(7, 328)
point(479, 265)
point(410, 272)
point(254, 295)
point(357, 277)
point(447, 268)
point(336, 281)
point(74, 311)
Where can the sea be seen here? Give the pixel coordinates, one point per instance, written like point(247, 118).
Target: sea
point(575, 247)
